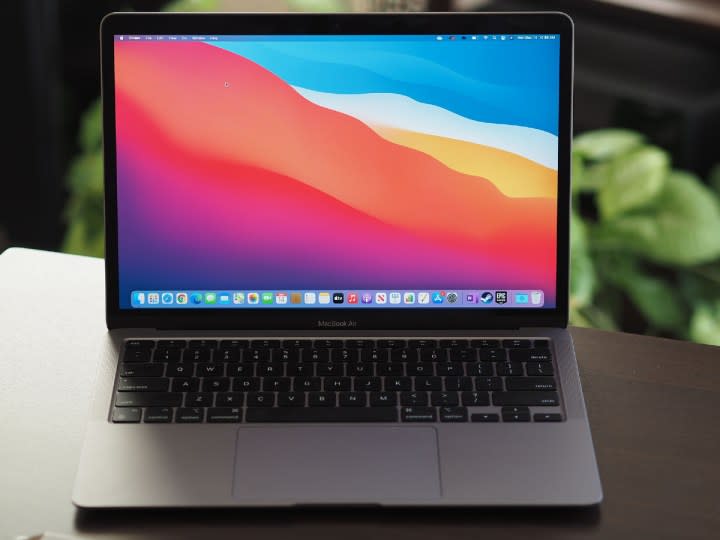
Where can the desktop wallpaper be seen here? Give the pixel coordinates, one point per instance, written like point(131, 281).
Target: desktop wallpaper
point(281, 164)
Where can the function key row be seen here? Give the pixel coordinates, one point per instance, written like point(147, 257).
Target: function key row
point(336, 343)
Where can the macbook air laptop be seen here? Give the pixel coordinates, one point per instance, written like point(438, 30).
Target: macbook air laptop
point(337, 264)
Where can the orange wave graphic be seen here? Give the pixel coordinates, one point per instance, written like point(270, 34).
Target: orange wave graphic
point(219, 104)
point(512, 174)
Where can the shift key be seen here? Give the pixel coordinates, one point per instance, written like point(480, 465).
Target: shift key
point(148, 399)
point(530, 398)
point(143, 384)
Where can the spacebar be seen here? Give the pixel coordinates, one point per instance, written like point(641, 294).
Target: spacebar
point(371, 414)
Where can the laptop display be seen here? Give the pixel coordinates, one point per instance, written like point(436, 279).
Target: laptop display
point(289, 171)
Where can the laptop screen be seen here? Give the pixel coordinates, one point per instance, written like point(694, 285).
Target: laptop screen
point(408, 171)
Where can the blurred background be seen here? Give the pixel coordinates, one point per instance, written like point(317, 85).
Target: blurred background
point(646, 173)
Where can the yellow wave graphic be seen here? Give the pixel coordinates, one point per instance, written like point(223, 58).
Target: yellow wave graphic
point(513, 175)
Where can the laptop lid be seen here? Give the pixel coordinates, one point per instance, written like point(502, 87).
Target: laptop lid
point(337, 172)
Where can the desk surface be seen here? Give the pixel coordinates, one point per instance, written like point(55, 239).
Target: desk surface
point(654, 408)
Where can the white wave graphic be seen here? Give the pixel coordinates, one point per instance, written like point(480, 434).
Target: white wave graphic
point(398, 111)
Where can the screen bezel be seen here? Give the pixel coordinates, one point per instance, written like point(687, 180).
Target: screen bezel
point(357, 24)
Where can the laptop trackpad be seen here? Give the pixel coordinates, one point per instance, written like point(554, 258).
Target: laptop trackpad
point(326, 464)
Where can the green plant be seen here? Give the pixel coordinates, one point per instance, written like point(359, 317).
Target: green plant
point(647, 237)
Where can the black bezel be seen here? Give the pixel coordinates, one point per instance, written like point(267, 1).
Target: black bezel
point(366, 318)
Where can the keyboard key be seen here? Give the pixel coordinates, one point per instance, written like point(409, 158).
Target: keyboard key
point(296, 343)
point(240, 370)
point(413, 398)
point(126, 415)
point(374, 355)
point(329, 369)
point(229, 399)
point(171, 344)
point(363, 369)
point(485, 343)
point(265, 343)
point(147, 399)
point(199, 399)
point(336, 384)
point(492, 355)
point(403, 355)
point(287, 355)
point(210, 370)
point(144, 384)
point(322, 414)
point(224, 414)
point(516, 417)
point(526, 398)
point(139, 344)
point(398, 384)
point(300, 369)
point(458, 383)
point(321, 399)
point(428, 383)
point(516, 343)
point(419, 368)
point(383, 399)
point(190, 415)
point(352, 399)
point(179, 370)
point(530, 383)
point(316, 355)
point(475, 399)
point(448, 399)
point(197, 355)
point(422, 343)
point(453, 414)
point(137, 355)
point(530, 355)
point(234, 344)
point(389, 368)
point(260, 399)
point(345, 355)
point(485, 417)
point(454, 343)
point(450, 368)
point(463, 355)
point(391, 343)
point(203, 344)
point(539, 368)
point(227, 355)
point(433, 355)
point(276, 384)
point(216, 384)
point(158, 415)
point(509, 369)
point(269, 369)
point(141, 370)
point(307, 384)
point(482, 369)
point(359, 343)
point(167, 355)
point(256, 355)
point(418, 414)
point(327, 343)
point(547, 417)
point(515, 409)
point(542, 344)
point(246, 384)
point(488, 383)
point(291, 399)
point(185, 384)
point(372, 384)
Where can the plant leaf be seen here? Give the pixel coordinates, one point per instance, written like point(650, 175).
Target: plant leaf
point(606, 143)
point(680, 227)
point(705, 323)
point(632, 181)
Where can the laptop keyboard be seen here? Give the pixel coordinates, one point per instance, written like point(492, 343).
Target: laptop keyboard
point(333, 380)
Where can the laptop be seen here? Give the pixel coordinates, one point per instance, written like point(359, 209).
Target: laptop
point(337, 264)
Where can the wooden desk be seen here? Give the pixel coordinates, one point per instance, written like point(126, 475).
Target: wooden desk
point(654, 410)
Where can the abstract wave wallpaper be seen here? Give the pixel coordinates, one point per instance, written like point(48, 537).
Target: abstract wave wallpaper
point(338, 164)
